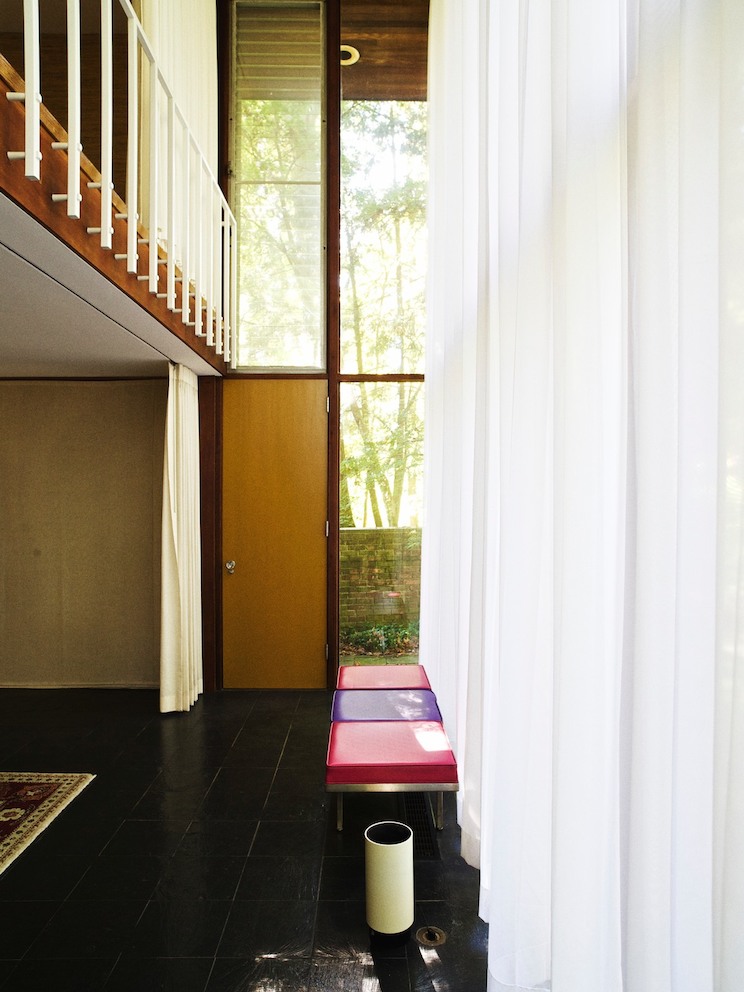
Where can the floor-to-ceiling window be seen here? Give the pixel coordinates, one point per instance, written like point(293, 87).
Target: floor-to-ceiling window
point(383, 276)
point(328, 182)
point(383, 251)
point(277, 184)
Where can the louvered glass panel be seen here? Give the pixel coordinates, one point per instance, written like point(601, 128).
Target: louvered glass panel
point(277, 186)
point(278, 53)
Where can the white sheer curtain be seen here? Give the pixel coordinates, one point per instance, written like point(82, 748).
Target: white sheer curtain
point(583, 574)
point(183, 34)
point(181, 680)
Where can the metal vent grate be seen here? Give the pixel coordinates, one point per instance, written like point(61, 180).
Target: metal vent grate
point(417, 814)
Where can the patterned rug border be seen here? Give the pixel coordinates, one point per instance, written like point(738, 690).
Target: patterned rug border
point(71, 784)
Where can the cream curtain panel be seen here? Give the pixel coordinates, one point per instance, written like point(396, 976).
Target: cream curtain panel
point(583, 573)
point(181, 680)
point(183, 34)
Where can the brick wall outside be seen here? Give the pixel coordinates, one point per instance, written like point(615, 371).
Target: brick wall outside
point(380, 577)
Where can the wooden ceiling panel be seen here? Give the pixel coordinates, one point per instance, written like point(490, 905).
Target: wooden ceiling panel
point(391, 38)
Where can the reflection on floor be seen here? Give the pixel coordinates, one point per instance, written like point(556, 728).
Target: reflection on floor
point(204, 856)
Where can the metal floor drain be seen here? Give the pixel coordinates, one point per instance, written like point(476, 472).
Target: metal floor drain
point(417, 814)
point(431, 936)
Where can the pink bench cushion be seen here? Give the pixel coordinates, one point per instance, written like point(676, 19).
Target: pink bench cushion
point(389, 752)
point(385, 704)
point(382, 677)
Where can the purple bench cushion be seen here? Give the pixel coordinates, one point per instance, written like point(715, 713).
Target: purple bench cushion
point(384, 704)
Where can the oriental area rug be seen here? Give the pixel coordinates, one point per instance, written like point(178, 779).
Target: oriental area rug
point(29, 801)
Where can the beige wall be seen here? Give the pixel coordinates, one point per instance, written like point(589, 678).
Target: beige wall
point(80, 497)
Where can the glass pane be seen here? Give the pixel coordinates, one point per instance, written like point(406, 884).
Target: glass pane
point(277, 187)
point(383, 236)
point(381, 505)
point(280, 275)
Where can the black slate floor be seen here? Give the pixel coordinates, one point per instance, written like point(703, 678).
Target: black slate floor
point(204, 856)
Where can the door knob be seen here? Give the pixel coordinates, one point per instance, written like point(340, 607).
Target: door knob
point(230, 566)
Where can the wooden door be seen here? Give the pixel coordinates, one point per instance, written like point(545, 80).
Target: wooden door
point(275, 442)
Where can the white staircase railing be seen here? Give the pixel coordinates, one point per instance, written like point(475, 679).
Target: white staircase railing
point(191, 232)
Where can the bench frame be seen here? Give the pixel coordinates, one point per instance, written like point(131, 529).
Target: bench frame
point(438, 787)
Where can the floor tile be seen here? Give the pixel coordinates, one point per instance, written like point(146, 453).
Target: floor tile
point(87, 929)
point(163, 802)
point(242, 975)
point(283, 929)
point(66, 975)
point(280, 878)
point(22, 923)
point(6, 967)
point(191, 769)
point(119, 877)
point(154, 838)
point(359, 975)
point(209, 838)
point(255, 751)
point(235, 795)
point(342, 933)
point(343, 878)
point(450, 881)
point(179, 928)
point(160, 975)
point(117, 795)
point(302, 748)
point(194, 877)
point(32, 879)
point(460, 961)
point(76, 835)
point(283, 838)
point(296, 795)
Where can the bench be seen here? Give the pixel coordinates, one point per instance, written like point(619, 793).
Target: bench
point(389, 740)
point(384, 704)
point(382, 677)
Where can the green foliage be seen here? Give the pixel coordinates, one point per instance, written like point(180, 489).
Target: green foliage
point(278, 202)
point(387, 639)
point(383, 314)
point(383, 236)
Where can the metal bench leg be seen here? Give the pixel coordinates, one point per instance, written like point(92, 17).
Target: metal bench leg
point(339, 811)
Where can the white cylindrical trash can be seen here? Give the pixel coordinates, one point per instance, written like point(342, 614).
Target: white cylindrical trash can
point(388, 857)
